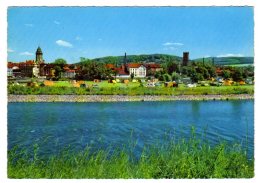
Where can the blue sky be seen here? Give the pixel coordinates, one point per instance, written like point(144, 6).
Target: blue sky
point(91, 32)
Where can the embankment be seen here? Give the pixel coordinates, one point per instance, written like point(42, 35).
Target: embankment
point(122, 98)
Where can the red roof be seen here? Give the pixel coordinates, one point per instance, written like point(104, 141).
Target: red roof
point(110, 66)
point(219, 71)
point(133, 65)
point(29, 62)
point(153, 65)
point(121, 71)
point(11, 65)
point(21, 64)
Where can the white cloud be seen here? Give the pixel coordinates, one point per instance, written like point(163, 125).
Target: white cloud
point(56, 22)
point(231, 55)
point(64, 43)
point(26, 53)
point(28, 25)
point(78, 38)
point(178, 44)
point(171, 44)
point(9, 50)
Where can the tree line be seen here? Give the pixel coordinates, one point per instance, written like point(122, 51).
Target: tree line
point(173, 70)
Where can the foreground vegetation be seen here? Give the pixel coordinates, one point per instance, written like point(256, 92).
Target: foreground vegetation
point(130, 90)
point(188, 158)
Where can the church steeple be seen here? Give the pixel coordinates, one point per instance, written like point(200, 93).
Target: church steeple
point(39, 58)
point(125, 59)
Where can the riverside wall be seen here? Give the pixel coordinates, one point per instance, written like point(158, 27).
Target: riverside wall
point(122, 98)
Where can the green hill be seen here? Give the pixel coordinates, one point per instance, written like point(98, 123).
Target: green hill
point(228, 60)
point(163, 58)
point(156, 58)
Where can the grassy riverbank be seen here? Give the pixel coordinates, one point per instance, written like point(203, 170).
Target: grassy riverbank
point(130, 91)
point(183, 159)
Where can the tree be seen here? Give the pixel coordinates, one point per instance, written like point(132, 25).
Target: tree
point(175, 76)
point(58, 71)
point(60, 61)
point(211, 70)
point(159, 75)
point(238, 75)
point(186, 70)
point(226, 74)
point(95, 70)
point(172, 67)
point(59, 64)
point(167, 77)
point(197, 77)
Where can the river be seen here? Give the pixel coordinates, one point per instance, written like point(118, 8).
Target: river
point(54, 126)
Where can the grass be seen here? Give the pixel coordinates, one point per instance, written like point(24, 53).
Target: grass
point(185, 158)
point(131, 89)
point(102, 84)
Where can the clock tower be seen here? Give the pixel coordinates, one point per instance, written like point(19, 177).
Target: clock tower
point(39, 58)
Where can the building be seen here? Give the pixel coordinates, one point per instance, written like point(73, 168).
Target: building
point(29, 68)
point(138, 70)
point(22, 69)
point(10, 72)
point(152, 68)
point(38, 61)
point(68, 73)
point(121, 72)
point(39, 56)
point(47, 70)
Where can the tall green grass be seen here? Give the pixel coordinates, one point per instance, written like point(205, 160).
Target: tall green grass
point(222, 90)
point(184, 158)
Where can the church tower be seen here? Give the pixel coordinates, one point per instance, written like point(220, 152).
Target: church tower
point(39, 58)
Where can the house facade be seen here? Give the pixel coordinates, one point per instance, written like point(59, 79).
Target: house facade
point(152, 68)
point(9, 72)
point(23, 69)
point(138, 70)
point(68, 73)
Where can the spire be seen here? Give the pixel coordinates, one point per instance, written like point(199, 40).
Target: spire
point(125, 58)
point(39, 50)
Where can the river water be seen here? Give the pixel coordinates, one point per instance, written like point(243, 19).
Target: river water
point(54, 126)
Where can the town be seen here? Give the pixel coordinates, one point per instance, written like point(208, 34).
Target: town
point(130, 92)
point(93, 74)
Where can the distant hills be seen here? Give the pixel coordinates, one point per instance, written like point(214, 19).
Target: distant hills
point(145, 58)
point(228, 60)
point(163, 58)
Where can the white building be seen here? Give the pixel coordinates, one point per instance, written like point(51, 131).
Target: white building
point(138, 70)
point(9, 72)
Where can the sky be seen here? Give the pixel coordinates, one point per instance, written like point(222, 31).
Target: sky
point(91, 32)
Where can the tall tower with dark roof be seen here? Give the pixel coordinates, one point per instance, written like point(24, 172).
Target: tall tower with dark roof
point(185, 58)
point(39, 58)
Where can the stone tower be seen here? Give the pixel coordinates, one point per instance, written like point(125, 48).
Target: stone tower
point(185, 58)
point(39, 58)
